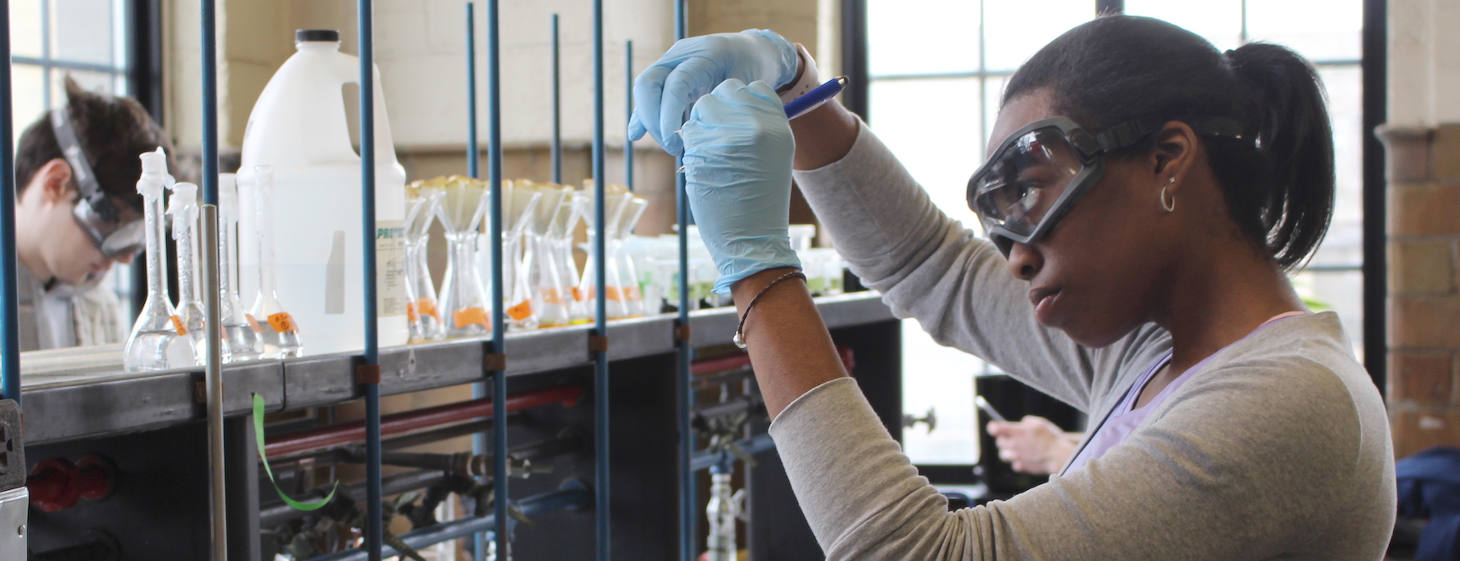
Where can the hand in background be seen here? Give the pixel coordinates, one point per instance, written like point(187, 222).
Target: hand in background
point(1033, 445)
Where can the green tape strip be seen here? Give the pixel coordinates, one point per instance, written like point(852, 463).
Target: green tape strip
point(258, 434)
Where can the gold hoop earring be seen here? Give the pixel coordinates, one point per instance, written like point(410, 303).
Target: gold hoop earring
point(1170, 206)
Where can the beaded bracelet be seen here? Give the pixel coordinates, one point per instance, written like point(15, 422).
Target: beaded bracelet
point(739, 338)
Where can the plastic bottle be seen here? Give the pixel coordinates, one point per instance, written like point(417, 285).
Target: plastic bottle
point(159, 340)
point(298, 128)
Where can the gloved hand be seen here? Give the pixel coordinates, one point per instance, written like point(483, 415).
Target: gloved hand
point(737, 169)
point(665, 91)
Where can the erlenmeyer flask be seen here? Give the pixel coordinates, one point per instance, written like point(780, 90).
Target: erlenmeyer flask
point(467, 308)
point(422, 204)
point(560, 243)
point(241, 337)
point(626, 274)
point(541, 260)
point(616, 198)
point(159, 339)
point(183, 208)
point(519, 202)
point(279, 331)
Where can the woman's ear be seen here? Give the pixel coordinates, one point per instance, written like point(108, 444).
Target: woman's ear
point(1173, 155)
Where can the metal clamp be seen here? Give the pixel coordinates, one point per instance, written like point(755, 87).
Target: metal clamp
point(494, 362)
point(682, 332)
point(597, 343)
point(367, 374)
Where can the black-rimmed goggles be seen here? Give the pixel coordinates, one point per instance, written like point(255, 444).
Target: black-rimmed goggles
point(95, 212)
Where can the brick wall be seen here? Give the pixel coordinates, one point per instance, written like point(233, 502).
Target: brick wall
point(1424, 285)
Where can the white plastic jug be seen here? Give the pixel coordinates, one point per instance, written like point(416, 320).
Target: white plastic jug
point(298, 128)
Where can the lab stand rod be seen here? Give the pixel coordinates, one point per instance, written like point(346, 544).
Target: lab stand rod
point(628, 112)
point(472, 153)
point(373, 522)
point(557, 111)
point(500, 497)
point(473, 161)
point(684, 353)
point(213, 364)
point(571, 497)
point(600, 354)
point(9, 319)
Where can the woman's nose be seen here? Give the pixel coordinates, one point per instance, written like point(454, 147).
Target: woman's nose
point(1024, 261)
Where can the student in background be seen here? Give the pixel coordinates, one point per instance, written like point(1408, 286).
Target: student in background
point(77, 212)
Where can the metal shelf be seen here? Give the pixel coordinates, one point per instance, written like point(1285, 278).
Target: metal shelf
point(95, 401)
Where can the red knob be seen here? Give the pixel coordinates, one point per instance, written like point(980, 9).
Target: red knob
point(94, 480)
point(51, 487)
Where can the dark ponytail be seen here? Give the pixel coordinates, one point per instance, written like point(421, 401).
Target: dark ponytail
point(1278, 180)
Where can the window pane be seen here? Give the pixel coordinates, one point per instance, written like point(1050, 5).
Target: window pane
point(81, 31)
point(1016, 30)
point(933, 126)
point(1344, 243)
point(1320, 29)
point(922, 36)
point(1219, 21)
point(941, 379)
point(28, 87)
point(25, 28)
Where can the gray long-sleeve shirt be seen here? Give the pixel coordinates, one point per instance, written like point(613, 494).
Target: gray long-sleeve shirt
point(1277, 448)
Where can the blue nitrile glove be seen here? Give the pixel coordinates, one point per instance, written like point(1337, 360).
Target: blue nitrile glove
point(665, 91)
point(737, 170)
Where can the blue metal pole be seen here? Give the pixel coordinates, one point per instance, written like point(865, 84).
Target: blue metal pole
point(213, 381)
point(500, 497)
point(472, 154)
point(600, 356)
point(684, 354)
point(557, 111)
point(628, 111)
point(210, 105)
point(473, 163)
point(373, 523)
point(9, 320)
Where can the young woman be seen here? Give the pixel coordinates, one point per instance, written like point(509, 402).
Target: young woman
point(1144, 195)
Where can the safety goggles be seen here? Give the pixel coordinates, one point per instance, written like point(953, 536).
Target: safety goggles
point(1035, 176)
point(95, 213)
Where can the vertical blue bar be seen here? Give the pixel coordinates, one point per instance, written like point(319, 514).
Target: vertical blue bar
point(684, 353)
point(472, 154)
point(210, 104)
point(9, 320)
point(473, 164)
point(600, 358)
point(499, 378)
point(628, 112)
point(557, 111)
point(373, 523)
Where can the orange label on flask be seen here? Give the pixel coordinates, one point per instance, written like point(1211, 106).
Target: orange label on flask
point(428, 308)
point(613, 294)
point(282, 322)
point(411, 315)
point(521, 311)
point(578, 294)
point(178, 325)
point(633, 294)
point(551, 296)
point(469, 316)
point(253, 323)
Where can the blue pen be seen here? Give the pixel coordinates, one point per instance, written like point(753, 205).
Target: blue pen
point(814, 98)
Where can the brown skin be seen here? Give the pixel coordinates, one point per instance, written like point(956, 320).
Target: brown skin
point(1117, 260)
point(47, 239)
